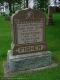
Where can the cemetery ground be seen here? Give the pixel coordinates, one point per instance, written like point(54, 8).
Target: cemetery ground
point(53, 42)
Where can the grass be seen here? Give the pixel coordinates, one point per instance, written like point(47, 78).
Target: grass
point(4, 41)
point(53, 42)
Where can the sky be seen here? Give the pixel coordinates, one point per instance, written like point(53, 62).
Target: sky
point(31, 3)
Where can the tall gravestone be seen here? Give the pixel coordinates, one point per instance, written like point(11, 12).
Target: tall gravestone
point(50, 15)
point(28, 48)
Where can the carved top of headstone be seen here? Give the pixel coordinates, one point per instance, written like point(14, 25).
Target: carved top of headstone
point(28, 31)
point(28, 14)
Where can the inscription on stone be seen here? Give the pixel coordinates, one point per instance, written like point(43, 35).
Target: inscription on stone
point(30, 48)
point(29, 32)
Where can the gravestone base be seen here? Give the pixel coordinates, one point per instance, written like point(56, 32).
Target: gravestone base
point(29, 61)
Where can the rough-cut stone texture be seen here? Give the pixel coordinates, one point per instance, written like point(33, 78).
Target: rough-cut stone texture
point(28, 48)
point(28, 31)
point(28, 61)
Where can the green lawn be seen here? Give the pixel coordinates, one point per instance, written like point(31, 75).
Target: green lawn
point(53, 42)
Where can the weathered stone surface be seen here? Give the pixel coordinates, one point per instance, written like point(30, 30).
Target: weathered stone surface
point(28, 61)
point(28, 48)
point(28, 28)
point(50, 15)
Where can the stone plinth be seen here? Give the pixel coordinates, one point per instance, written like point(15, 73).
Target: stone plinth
point(28, 61)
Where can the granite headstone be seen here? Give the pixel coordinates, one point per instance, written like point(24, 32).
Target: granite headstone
point(28, 48)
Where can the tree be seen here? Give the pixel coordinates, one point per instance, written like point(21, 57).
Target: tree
point(12, 2)
point(19, 2)
point(41, 4)
point(26, 3)
point(1, 1)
